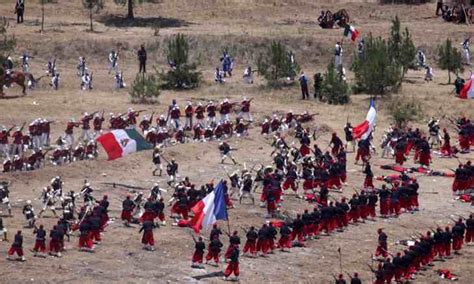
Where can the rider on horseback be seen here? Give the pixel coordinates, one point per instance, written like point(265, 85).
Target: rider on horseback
point(7, 67)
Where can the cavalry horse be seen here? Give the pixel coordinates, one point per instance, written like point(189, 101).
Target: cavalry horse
point(17, 77)
point(327, 19)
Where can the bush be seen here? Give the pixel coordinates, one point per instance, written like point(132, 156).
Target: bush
point(7, 44)
point(449, 58)
point(181, 75)
point(376, 73)
point(277, 63)
point(403, 111)
point(401, 48)
point(145, 89)
point(334, 90)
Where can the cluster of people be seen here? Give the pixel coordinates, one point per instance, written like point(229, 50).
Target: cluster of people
point(37, 140)
point(201, 120)
point(421, 251)
point(89, 220)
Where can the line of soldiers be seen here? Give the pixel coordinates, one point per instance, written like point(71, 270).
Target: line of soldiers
point(422, 250)
point(463, 179)
point(200, 119)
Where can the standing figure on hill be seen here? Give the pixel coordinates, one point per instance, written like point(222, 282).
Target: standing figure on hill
point(304, 86)
point(466, 51)
point(421, 58)
point(142, 59)
point(248, 75)
point(55, 81)
point(81, 67)
point(338, 55)
point(19, 10)
point(113, 61)
point(86, 82)
point(119, 82)
point(227, 64)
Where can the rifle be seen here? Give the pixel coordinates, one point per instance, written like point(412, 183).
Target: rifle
point(151, 117)
point(165, 160)
point(22, 126)
point(349, 275)
point(9, 130)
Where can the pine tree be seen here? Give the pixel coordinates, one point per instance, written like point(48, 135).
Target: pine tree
point(334, 89)
point(377, 74)
point(93, 6)
point(401, 48)
point(130, 6)
point(7, 43)
point(145, 89)
point(182, 75)
point(449, 58)
point(277, 63)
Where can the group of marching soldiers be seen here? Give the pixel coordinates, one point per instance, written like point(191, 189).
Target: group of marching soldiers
point(89, 220)
point(421, 251)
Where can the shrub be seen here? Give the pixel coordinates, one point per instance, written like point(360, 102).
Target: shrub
point(449, 58)
point(334, 89)
point(403, 111)
point(376, 73)
point(145, 89)
point(277, 63)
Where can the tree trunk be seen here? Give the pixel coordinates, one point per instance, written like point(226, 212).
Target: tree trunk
point(130, 10)
point(449, 76)
point(90, 15)
point(42, 15)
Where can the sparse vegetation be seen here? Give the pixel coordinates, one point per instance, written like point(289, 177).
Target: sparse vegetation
point(376, 74)
point(385, 62)
point(145, 89)
point(450, 58)
point(277, 64)
point(93, 6)
point(334, 89)
point(7, 43)
point(181, 75)
point(401, 48)
point(403, 110)
point(130, 6)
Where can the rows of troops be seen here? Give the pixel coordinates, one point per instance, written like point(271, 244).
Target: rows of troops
point(314, 168)
point(325, 219)
point(169, 129)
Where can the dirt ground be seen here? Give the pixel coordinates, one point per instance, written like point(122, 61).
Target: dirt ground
point(244, 26)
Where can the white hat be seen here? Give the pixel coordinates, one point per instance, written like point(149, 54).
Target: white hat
point(28, 202)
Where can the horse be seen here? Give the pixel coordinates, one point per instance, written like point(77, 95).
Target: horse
point(19, 78)
point(341, 17)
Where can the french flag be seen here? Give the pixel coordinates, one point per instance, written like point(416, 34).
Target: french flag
point(467, 91)
point(364, 129)
point(209, 210)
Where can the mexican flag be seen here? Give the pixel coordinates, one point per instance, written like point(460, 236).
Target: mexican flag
point(121, 142)
point(351, 33)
